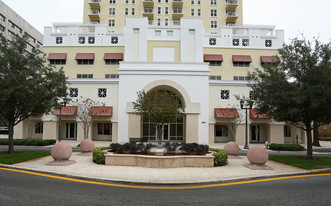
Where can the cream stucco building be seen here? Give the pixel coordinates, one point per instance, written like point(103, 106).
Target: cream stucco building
point(198, 50)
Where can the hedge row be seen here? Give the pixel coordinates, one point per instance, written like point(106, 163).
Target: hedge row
point(98, 154)
point(286, 147)
point(29, 142)
point(220, 157)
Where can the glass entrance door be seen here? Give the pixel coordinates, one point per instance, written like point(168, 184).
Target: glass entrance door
point(71, 130)
point(255, 133)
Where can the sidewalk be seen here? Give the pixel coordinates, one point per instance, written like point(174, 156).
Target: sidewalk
point(85, 168)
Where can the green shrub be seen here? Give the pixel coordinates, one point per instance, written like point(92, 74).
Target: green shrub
point(325, 138)
point(29, 142)
point(99, 155)
point(286, 147)
point(220, 157)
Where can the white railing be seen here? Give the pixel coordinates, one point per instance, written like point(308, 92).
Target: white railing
point(231, 13)
point(94, 1)
point(94, 12)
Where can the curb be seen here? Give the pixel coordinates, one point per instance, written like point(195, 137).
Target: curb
point(207, 182)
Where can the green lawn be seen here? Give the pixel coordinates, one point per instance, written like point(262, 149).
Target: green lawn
point(298, 161)
point(21, 156)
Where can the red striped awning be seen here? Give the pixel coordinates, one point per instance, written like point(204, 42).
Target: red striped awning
point(85, 56)
point(269, 59)
point(57, 56)
point(101, 111)
point(226, 113)
point(66, 111)
point(241, 58)
point(113, 56)
point(213, 57)
point(254, 114)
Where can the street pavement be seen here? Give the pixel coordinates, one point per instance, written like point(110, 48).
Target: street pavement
point(234, 170)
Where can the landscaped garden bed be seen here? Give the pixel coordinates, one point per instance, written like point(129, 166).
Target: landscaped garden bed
point(175, 155)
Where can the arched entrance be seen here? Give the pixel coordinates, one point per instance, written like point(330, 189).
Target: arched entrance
point(171, 131)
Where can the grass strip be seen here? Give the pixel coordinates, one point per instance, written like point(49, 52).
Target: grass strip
point(21, 156)
point(302, 162)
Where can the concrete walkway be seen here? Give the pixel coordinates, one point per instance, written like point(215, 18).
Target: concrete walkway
point(85, 168)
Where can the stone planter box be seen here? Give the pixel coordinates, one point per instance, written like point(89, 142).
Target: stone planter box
point(159, 161)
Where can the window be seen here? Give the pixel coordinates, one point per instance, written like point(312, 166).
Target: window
point(158, 1)
point(225, 94)
point(235, 42)
point(215, 63)
point(212, 41)
point(213, 24)
point(159, 22)
point(133, 1)
point(159, 10)
point(102, 92)
point(2, 18)
point(112, 1)
point(215, 77)
point(15, 27)
point(132, 12)
point(213, 2)
point(192, 2)
point(199, 12)
point(245, 42)
point(85, 61)
point(73, 92)
point(57, 61)
point(268, 43)
point(39, 127)
point(112, 11)
point(126, 1)
point(111, 76)
point(221, 130)
point(104, 129)
point(170, 32)
point(112, 61)
point(166, 10)
point(199, 2)
point(114, 40)
point(81, 40)
point(166, 22)
point(176, 22)
point(213, 12)
point(84, 76)
point(241, 64)
point(166, 1)
point(192, 12)
point(111, 22)
point(126, 11)
point(91, 40)
point(157, 32)
point(287, 131)
point(251, 95)
point(58, 40)
point(240, 78)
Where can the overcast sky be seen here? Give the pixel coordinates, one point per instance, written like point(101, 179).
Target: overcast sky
point(310, 17)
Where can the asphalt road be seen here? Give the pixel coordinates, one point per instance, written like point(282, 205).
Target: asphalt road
point(26, 189)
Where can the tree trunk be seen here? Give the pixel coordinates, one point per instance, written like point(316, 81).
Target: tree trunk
point(11, 136)
point(309, 141)
point(316, 141)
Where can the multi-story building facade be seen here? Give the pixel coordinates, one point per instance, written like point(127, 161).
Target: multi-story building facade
point(12, 25)
point(115, 54)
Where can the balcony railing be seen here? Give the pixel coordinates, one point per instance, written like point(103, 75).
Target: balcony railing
point(148, 3)
point(94, 12)
point(177, 3)
point(94, 4)
point(231, 14)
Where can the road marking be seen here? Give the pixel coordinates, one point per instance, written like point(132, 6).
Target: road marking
point(164, 188)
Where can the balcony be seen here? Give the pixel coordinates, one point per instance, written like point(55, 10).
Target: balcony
point(231, 4)
point(94, 4)
point(148, 3)
point(94, 14)
point(177, 4)
point(148, 12)
point(177, 14)
point(231, 16)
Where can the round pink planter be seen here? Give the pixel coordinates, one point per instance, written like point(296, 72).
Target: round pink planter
point(257, 155)
point(61, 151)
point(87, 145)
point(232, 148)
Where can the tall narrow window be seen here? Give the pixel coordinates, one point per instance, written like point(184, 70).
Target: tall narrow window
point(166, 10)
point(133, 12)
point(192, 12)
point(112, 11)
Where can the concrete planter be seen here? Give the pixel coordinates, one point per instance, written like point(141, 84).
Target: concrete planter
point(160, 161)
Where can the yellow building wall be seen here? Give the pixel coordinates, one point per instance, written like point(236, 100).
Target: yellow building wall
point(98, 69)
point(154, 44)
point(227, 70)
